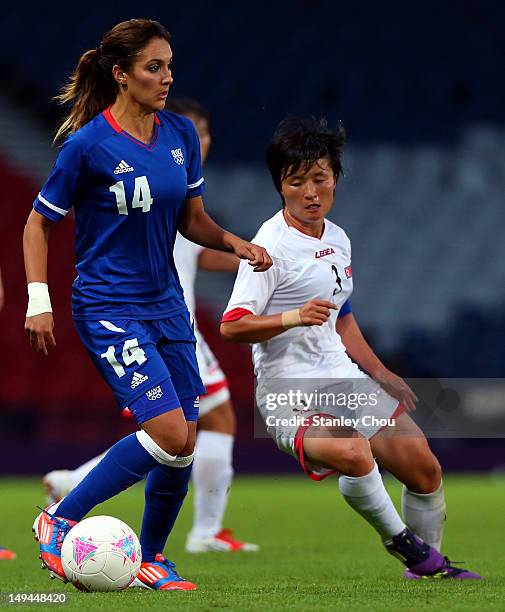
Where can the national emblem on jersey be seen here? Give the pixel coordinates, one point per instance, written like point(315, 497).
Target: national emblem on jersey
point(178, 156)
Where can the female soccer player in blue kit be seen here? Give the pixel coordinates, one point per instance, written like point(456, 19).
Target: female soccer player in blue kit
point(132, 173)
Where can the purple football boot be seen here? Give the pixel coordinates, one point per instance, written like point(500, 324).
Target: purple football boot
point(446, 571)
point(419, 558)
point(424, 561)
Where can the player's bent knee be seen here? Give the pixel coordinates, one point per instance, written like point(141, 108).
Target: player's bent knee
point(353, 458)
point(174, 443)
point(189, 449)
point(359, 463)
point(432, 475)
point(176, 458)
point(426, 475)
point(171, 437)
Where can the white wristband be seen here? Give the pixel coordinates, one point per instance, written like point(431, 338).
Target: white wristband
point(291, 318)
point(38, 299)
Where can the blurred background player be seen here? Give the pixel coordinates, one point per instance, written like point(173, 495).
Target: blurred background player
point(132, 172)
point(299, 320)
point(5, 553)
point(212, 466)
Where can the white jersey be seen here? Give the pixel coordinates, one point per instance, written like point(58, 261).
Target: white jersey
point(304, 268)
point(186, 261)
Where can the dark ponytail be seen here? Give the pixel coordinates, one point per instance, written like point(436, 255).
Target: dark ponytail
point(90, 90)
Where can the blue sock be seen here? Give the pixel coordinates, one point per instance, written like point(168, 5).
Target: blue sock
point(166, 489)
point(126, 463)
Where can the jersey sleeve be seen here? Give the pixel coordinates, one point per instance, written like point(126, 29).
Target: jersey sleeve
point(345, 309)
point(196, 183)
point(251, 292)
point(56, 196)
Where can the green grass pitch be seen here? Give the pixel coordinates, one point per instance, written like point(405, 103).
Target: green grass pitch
point(315, 552)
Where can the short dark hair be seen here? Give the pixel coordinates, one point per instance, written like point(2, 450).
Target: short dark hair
point(187, 106)
point(299, 142)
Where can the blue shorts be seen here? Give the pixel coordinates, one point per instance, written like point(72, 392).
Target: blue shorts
point(148, 371)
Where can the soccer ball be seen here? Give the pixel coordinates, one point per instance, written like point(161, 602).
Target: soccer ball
point(101, 553)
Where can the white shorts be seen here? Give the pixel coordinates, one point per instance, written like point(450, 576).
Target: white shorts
point(212, 376)
point(287, 422)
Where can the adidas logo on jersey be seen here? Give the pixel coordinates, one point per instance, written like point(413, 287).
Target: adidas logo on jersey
point(154, 393)
point(138, 379)
point(123, 167)
point(178, 156)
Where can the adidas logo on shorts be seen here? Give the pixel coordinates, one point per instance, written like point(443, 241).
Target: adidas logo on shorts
point(154, 393)
point(138, 379)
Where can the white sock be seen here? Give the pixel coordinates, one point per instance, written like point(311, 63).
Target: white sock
point(425, 514)
point(212, 474)
point(83, 470)
point(368, 496)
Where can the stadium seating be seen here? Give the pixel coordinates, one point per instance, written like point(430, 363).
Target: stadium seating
point(291, 57)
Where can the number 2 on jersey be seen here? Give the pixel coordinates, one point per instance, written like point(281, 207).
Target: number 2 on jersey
point(141, 195)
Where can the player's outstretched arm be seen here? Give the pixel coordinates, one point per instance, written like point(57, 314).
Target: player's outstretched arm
point(260, 328)
point(39, 322)
point(196, 225)
point(218, 261)
point(361, 352)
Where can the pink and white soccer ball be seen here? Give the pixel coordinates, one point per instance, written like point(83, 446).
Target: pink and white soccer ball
point(101, 553)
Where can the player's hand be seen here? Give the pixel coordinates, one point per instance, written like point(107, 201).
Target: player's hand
point(257, 255)
point(40, 332)
point(398, 388)
point(316, 312)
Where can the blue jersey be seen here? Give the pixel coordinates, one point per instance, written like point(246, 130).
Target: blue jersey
point(127, 196)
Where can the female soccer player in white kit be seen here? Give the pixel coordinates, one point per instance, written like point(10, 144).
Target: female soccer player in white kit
point(299, 320)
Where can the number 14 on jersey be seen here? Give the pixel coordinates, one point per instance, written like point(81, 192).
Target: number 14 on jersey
point(141, 195)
